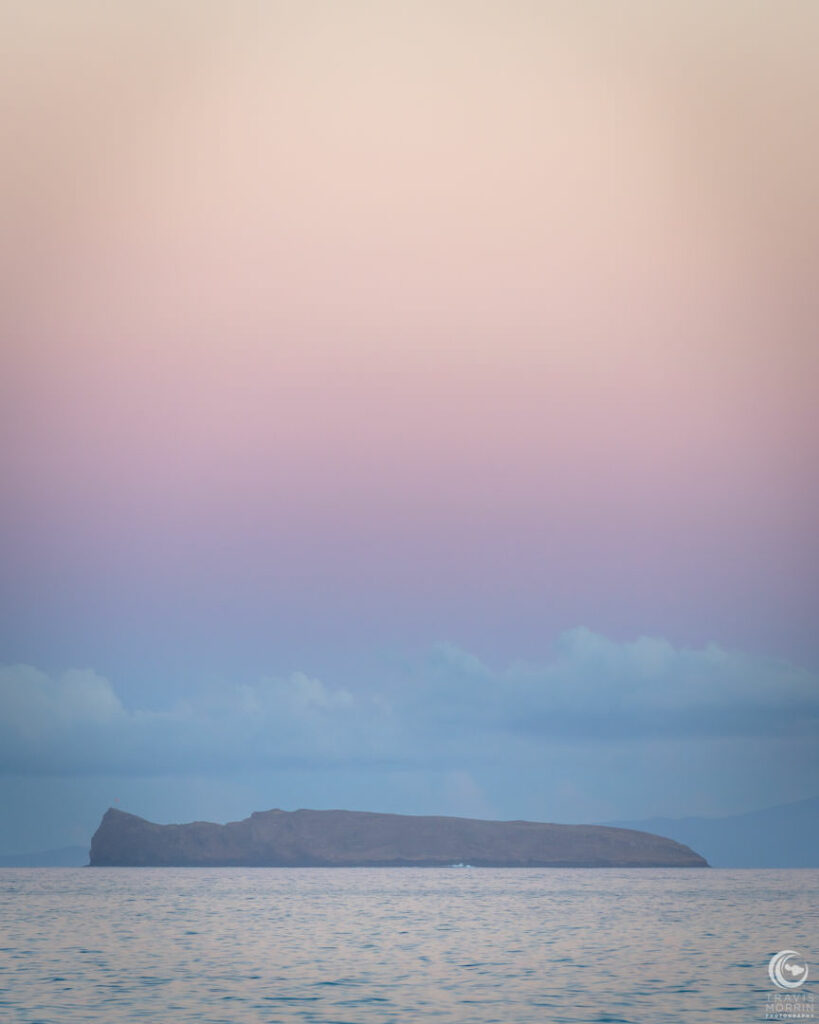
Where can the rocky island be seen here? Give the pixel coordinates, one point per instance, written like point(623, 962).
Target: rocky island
point(361, 839)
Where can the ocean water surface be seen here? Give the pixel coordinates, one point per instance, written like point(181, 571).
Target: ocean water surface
point(367, 945)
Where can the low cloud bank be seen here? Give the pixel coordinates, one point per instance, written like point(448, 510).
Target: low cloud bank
point(444, 710)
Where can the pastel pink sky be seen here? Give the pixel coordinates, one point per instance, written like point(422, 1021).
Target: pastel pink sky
point(356, 323)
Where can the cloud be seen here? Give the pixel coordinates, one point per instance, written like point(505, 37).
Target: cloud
point(75, 722)
point(600, 688)
point(446, 711)
point(37, 705)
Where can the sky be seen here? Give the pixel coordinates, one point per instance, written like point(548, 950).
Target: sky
point(407, 407)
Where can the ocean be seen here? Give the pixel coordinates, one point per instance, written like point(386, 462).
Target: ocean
point(363, 945)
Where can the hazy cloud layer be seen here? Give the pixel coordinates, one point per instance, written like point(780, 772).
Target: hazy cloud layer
point(441, 712)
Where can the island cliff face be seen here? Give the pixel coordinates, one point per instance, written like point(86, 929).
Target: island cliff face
point(357, 839)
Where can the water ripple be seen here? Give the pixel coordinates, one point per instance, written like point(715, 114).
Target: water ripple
point(361, 946)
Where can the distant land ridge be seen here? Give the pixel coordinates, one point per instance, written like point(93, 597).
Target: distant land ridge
point(306, 838)
point(784, 836)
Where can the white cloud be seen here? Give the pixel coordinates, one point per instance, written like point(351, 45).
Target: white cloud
point(450, 710)
point(35, 704)
point(599, 687)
